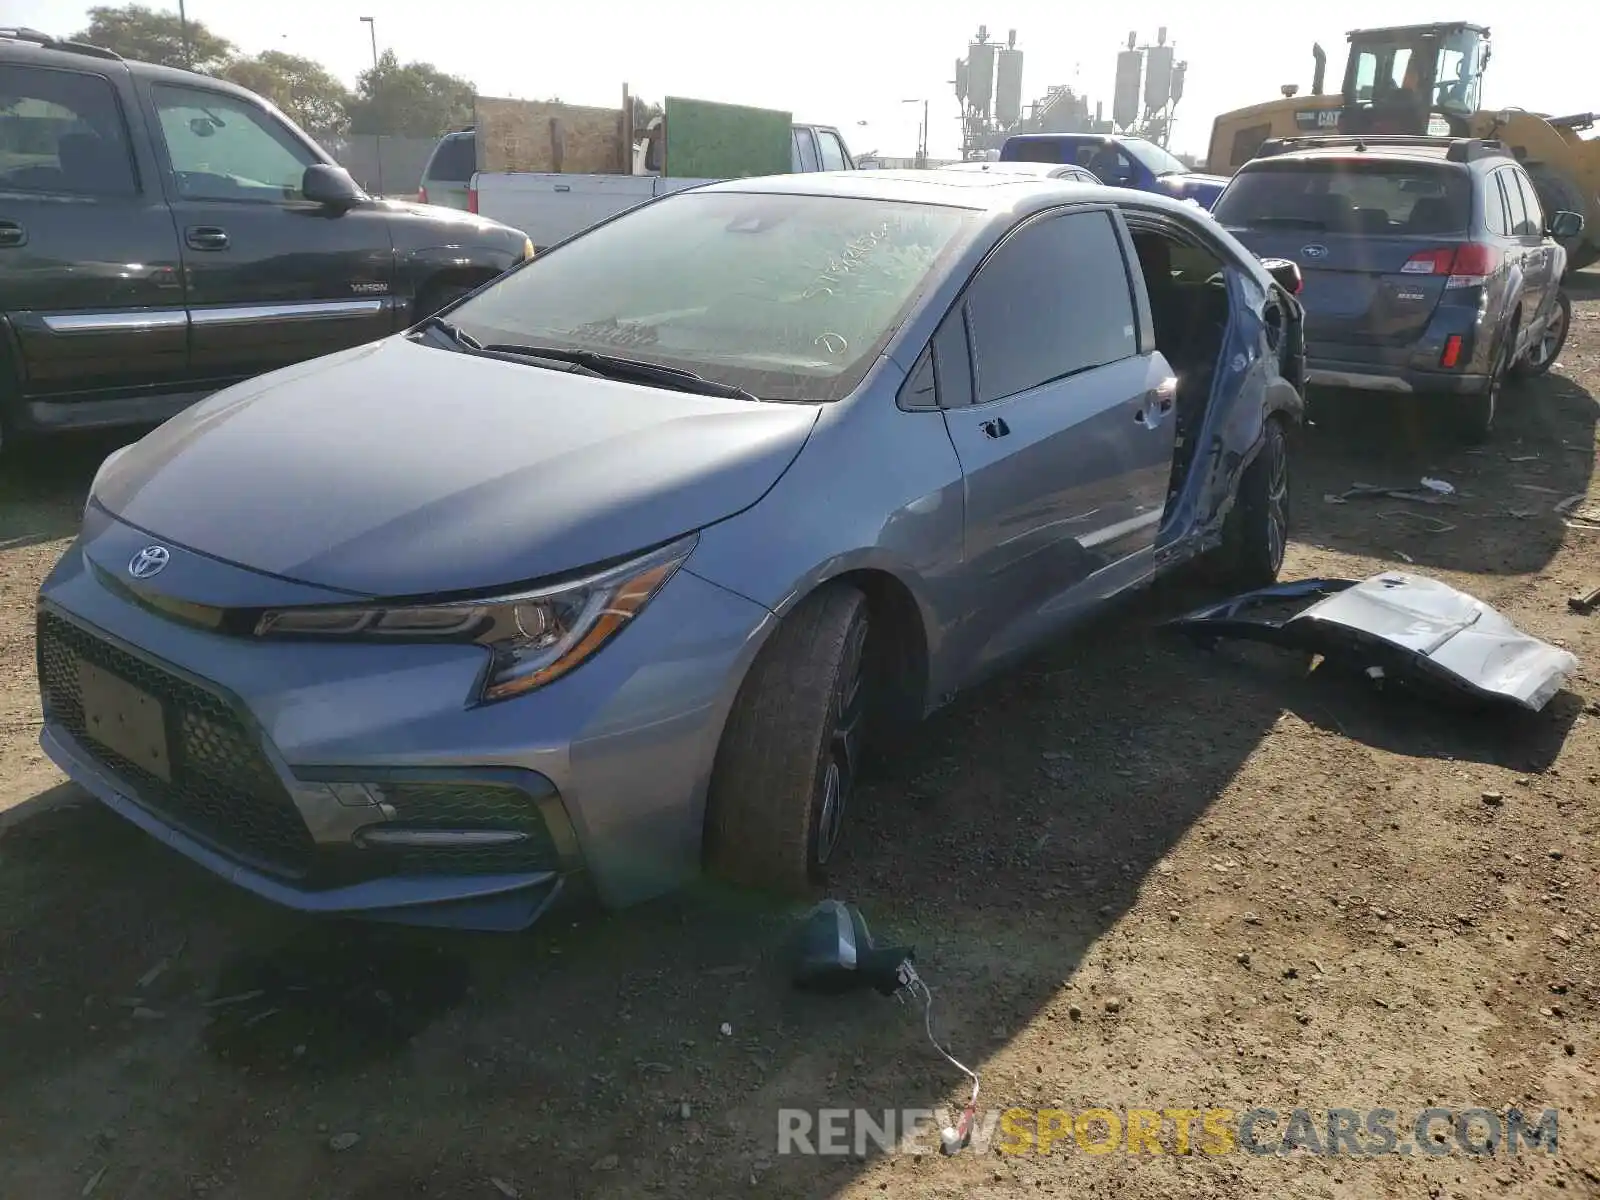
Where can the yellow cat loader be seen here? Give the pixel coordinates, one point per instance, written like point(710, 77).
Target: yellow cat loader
point(1428, 79)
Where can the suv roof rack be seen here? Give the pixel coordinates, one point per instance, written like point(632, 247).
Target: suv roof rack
point(1456, 149)
point(21, 33)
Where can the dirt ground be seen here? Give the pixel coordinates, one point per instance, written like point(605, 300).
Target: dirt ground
point(1137, 875)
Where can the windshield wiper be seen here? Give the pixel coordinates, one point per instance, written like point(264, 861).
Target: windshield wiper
point(614, 366)
point(454, 332)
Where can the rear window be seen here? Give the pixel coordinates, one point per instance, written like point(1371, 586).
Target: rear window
point(454, 160)
point(1037, 152)
point(1349, 196)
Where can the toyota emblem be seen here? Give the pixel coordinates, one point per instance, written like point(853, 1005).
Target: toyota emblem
point(149, 561)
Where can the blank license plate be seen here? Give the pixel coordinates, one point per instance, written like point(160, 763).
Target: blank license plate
point(122, 718)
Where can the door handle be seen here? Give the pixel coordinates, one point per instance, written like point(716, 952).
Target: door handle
point(996, 428)
point(206, 237)
point(12, 234)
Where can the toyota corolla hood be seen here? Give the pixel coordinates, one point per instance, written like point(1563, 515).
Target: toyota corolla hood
point(401, 469)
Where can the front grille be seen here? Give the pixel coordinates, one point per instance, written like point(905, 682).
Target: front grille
point(468, 806)
point(223, 790)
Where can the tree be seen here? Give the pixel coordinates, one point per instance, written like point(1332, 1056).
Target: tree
point(141, 33)
point(312, 98)
point(416, 100)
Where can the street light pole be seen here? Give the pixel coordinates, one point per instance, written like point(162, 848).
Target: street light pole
point(372, 25)
point(183, 26)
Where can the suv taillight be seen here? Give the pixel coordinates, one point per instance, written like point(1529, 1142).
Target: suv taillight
point(1474, 263)
point(1466, 265)
point(472, 199)
point(422, 195)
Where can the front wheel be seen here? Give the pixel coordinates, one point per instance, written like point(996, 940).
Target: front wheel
point(1256, 532)
point(1541, 355)
point(790, 755)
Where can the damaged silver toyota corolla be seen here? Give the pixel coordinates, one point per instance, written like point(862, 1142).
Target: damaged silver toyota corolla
point(606, 573)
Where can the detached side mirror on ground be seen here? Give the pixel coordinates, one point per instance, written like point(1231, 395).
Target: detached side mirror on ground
point(1564, 225)
point(331, 186)
point(1285, 273)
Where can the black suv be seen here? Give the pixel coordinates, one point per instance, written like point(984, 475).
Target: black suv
point(164, 234)
point(1427, 262)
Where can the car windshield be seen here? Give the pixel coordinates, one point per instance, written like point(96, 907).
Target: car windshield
point(791, 297)
point(1373, 196)
point(1153, 158)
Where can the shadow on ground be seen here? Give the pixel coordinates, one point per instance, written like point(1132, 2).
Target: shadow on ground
point(1541, 452)
point(649, 1052)
point(44, 483)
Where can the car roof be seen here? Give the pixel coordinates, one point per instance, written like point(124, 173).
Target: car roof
point(988, 191)
point(33, 47)
point(1038, 170)
point(1352, 149)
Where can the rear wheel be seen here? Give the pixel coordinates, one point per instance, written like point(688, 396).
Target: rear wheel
point(1474, 414)
point(1541, 355)
point(1256, 532)
point(787, 767)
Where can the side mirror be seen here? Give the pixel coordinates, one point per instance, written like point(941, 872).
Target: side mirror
point(1564, 225)
point(330, 186)
point(1285, 274)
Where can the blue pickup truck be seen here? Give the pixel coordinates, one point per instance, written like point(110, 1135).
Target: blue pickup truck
point(1118, 161)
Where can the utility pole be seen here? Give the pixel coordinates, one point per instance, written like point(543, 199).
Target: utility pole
point(922, 133)
point(183, 26)
point(372, 25)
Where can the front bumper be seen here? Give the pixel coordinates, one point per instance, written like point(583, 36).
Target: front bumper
point(321, 777)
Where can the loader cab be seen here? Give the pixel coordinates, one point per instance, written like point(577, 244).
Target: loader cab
point(1414, 79)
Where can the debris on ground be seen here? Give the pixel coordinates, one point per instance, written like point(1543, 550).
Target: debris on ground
point(340, 1142)
point(1410, 628)
point(1584, 601)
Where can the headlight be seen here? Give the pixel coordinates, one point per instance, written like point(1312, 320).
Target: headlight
point(527, 248)
point(533, 637)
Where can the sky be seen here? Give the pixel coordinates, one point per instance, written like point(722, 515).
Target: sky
point(854, 63)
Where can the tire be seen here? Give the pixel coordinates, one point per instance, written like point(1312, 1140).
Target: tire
point(1473, 415)
point(1558, 193)
point(1542, 355)
point(786, 768)
point(438, 295)
point(1256, 531)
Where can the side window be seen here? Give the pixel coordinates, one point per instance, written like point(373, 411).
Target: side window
point(227, 149)
point(1054, 300)
point(62, 132)
point(1530, 202)
point(1494, 205)
point(1516, 212)
point(832, 151)
point(805, 149)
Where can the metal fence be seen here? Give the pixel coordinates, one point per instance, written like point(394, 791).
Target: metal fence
point(383, 165)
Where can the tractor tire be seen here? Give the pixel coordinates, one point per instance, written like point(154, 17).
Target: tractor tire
point(1557, 193)
point(789, 758)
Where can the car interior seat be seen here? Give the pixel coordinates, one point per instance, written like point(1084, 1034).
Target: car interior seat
point(1429, 215)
